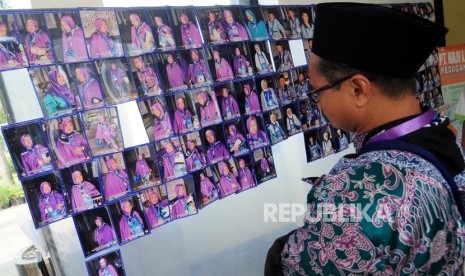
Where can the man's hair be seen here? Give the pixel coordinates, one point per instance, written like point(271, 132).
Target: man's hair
point(391, 87)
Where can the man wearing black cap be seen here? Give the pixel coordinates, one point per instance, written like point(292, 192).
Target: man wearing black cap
point(394, 207)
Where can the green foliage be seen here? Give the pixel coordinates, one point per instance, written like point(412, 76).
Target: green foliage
point(4, 196)
point(12, 194)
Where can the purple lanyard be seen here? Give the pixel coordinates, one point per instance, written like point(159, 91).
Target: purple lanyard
point(405, 128)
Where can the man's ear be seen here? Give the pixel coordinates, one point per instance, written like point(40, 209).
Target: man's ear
point(361, 89)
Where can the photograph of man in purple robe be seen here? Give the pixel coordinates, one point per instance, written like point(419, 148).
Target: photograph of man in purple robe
point(183, 120)
point(209, 113)
point(216, 30)
point(82, 193)
point(37, 44)
point(106, 269)
point(157, 211)
point(165, 35)
point(184, 205)
point(143, 170)
point(36, 158)
point(265, 166)
point(261, 61)
point(222, 68)
point(246, 178)
point(173, 161)
point(195, 160)
point(131, 224)
point(207, 189)
point(59, 98)
point(101, 44)
point(161, 122)
point(115, 182)
point(241, 65)
point(88, 88)
point(229, 106)
point(105, 135)
point(72, 40)
point(176, 76)
point(51, 203)
point(11, 54)
point(235, 30)
point(256, 137)
point(228, 182)
point(141, 36)
point(71, 146)
point(147, 77)
point(217, 151)
point(189, 33)
point(251, 103)
point(104, 235)
point(198, 73)
point(236, 141)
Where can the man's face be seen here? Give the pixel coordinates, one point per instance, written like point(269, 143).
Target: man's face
point(78, 178)
point(282, 82)
point(3, 30)
point(334, 102)
point(210, 137)
point(30, 27)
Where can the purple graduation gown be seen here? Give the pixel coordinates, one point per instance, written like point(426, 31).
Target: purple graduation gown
point(152, 215)
point(108, 269)
point(31, 157)
point(104, 234)
point(142, 168)
point(240, 66)
point(246, 179)
point(90, 93)
point(179, 208)
point(190, 35)
point(217, 152)
point(223, 70)
point(206, 187)
point(124, 228)
point(78, 192)
point(115, 183)
point(139, 37)
point(183, 119)
point(209, 114)
point(236, 32)
point(50, 201)
point(163, 128)
point(175, 75)
point(257, 140)
point(149, 80)
point(229, 107)
point(101, 45)
point(74, 45)
point(264, 165)
point(66, 153)
point(228, 184)
point(195, 161)
point(104, 132)
point(232, 141)
point(168, 165)
point(196, 70)
point(252, 104)
point(39, 39)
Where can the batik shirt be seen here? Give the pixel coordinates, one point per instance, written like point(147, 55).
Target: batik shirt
point(399, 220)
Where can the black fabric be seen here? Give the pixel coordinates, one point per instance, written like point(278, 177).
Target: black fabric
point(376, 39)
point(437, 139)
point(273, 264)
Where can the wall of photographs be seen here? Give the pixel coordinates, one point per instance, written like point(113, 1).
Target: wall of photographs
point(215, 88)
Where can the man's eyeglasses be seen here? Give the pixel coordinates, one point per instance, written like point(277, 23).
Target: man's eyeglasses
point(313, 95)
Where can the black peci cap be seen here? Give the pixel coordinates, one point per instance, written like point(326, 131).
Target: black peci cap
point(374, 39)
